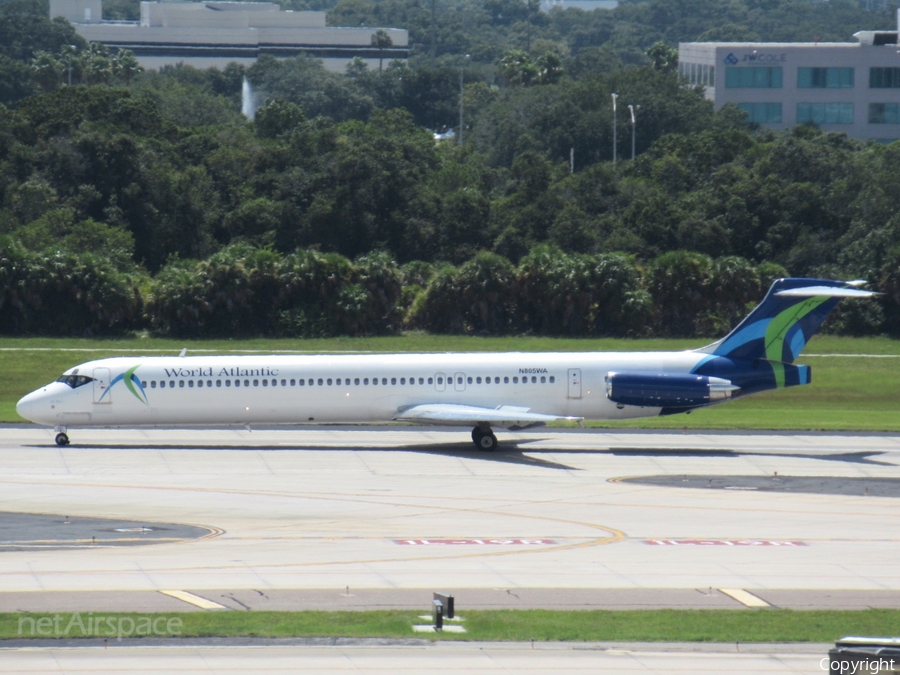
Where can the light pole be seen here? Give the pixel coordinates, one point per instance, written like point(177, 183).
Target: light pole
point(462, 69)
point(632, 109)
point(614, 97)
point(69, 58)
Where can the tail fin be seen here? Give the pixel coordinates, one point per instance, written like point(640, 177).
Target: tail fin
point(787, 318)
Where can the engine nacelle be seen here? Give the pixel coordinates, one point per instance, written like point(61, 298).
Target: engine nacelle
point(666, 390)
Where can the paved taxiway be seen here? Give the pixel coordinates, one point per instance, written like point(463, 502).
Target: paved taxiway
point(470, 658)
point(399, 508)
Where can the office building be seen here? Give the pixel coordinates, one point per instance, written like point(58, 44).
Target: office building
point(206, 34)
point(846, 87)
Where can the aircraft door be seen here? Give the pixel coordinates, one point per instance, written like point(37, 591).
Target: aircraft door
point(574, 383)
point(459, 381)
point(440, 381)
point(101, 386)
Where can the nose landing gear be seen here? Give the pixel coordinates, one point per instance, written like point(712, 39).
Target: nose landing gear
point(62, 438)
point(484, 439)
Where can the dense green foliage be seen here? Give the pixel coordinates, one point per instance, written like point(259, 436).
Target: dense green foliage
point(488, 29)
point(336, 212)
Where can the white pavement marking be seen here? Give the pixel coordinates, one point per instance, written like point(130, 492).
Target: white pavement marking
point(744, 597)
point(195, 600)
point(431, 629)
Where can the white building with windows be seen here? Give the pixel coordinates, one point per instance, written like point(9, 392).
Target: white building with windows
point(211, 33)
point(848, 87)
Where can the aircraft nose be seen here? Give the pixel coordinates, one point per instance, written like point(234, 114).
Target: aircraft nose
point(33, 406)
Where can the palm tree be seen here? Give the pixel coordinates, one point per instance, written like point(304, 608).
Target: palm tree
point(381, 40)
point(96, 64)
point(126, 66)
point(46, 71)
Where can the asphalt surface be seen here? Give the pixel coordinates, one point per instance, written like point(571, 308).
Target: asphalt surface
point(813, 485)
point(27, 531)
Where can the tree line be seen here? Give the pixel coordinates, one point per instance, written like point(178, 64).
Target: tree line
point(144, 181)
point(245, 291)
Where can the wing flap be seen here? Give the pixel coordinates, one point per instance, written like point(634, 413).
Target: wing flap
point(502, 416)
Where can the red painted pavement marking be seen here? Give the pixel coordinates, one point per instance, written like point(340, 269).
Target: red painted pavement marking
point(721, 542)
point(471, 542)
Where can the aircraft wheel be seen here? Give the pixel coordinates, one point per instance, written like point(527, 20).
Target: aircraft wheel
point(62, 439)
point(487, 442)
point(477, 433)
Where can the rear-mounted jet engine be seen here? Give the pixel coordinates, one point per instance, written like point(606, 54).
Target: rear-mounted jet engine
point(664, 390)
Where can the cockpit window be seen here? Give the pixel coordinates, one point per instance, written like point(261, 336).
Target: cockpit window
point(75, 381)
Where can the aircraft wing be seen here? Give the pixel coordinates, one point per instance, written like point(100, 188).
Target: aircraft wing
point(507, 417)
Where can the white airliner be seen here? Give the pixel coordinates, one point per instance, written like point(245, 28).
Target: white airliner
point(485, 391)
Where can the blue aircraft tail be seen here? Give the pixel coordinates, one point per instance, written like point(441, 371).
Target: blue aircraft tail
point(782, 324)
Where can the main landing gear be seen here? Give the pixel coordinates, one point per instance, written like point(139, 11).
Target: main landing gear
point(484, 439)
point(62, 438)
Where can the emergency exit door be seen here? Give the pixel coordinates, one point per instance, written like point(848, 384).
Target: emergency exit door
point(574, 383)
point(101, 386)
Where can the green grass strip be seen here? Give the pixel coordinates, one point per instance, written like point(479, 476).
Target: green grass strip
point(777, 625)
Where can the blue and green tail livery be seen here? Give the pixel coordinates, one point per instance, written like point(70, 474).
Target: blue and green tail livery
point(759, 353)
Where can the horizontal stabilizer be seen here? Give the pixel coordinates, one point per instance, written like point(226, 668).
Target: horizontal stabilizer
point(504, 416)
point(829, 291)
